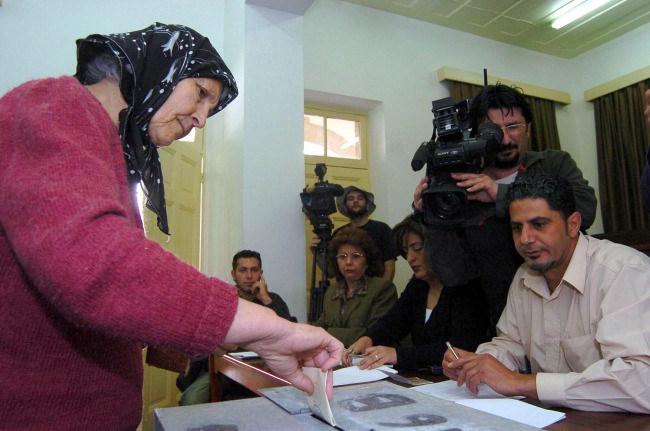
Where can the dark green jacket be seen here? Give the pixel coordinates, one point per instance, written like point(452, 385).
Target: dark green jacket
point(560, 163)
point(348, 319)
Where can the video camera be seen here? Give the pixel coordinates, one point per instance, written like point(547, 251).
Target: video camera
point(452, 149)
point(318, 203)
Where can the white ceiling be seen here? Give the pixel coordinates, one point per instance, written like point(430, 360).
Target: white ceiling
point(524, 23)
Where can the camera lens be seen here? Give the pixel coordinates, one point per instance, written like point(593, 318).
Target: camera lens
point(447, 204)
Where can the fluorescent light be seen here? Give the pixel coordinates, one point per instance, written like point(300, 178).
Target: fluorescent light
point(575, 10)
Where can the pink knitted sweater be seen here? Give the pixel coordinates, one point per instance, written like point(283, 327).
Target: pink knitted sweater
point(81, 288)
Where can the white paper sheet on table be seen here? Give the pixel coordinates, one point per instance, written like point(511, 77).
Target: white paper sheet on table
point(515, 410)
point(449, 390)
point(353, 375)
point(492, 402)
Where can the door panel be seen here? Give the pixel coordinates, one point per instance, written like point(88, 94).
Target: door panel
point(182, 165)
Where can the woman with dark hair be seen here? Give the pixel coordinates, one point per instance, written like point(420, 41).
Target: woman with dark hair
point(360, 296)
point(82, 288)
point(429, 312)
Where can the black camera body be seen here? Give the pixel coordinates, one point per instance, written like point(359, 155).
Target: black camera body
point(452, 148)
point(318, 202)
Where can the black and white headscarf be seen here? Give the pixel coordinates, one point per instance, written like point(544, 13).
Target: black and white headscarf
point(153, 60)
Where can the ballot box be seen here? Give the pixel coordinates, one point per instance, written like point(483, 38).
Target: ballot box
point(374, 406)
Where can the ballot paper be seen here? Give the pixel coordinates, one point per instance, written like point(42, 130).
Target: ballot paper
point(353, 375)
point(494, 403)
point(449, 390)
point(318, 402)
point(244, 355)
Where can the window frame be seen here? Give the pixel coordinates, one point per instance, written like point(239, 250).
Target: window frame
point(328, 112)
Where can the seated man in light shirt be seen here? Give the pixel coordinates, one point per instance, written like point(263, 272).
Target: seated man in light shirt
point(578, 311)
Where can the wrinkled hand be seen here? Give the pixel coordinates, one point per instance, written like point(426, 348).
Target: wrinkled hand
point(377, 356)
point(480, 187)
point(474, 369)
point(417, 195)
point(647, 106)
point(261, 291)
point(357, 348)
point(297, 345)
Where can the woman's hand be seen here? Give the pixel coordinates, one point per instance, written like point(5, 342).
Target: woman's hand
point(357, 348)
point(377, 356)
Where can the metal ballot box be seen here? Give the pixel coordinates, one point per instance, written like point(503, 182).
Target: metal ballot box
point(374, 406)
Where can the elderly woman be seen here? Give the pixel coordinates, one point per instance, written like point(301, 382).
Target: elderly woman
point(360, 296)
point(429, 312)
point(82, 288)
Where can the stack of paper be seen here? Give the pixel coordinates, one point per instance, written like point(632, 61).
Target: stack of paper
point(491, 402)
point(354, 375)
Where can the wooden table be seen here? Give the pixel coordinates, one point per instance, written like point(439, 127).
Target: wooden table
point(251, 374)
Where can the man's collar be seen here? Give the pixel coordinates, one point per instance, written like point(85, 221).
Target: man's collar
point(529, 158)
point(576, 272)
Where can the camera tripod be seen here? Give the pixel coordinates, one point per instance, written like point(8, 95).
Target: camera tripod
point(318, 291)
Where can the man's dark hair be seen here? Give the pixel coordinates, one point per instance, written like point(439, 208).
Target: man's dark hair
point(245, 254)
point(556, 191)
point(358, 237)
point(497, 96)
point(410, 224)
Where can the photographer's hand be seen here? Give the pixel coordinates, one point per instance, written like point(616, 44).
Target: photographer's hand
point(480, 187)
point(417, 196)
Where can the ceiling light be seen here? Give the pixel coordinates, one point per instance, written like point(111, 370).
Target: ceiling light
point(576, 9)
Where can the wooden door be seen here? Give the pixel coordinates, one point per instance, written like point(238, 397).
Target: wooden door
point(182, 164)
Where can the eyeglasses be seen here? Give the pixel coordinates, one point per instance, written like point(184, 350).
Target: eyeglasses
point(513, 129)
point(354, 256)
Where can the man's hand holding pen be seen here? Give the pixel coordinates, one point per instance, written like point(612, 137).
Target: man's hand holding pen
point(471, 369)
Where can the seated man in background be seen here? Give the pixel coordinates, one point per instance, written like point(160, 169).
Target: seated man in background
point(360, 296)
point(578, 310)
point(251, 286)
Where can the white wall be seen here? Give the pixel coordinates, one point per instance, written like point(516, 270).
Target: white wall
point(273, 166)
point(38, 37)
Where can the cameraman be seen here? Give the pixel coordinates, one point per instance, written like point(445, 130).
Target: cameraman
point(489, 241)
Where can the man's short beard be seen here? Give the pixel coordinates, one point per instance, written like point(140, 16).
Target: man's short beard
point(543, 267)
point(506, 163)
point(510, 162)
point(358, 214)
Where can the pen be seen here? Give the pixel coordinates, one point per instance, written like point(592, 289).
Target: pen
point(453, 352)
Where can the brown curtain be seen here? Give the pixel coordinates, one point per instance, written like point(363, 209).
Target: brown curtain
point(543, 135)
point(621, 142)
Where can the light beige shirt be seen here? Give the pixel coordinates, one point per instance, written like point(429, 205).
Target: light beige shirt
point(588, 341)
